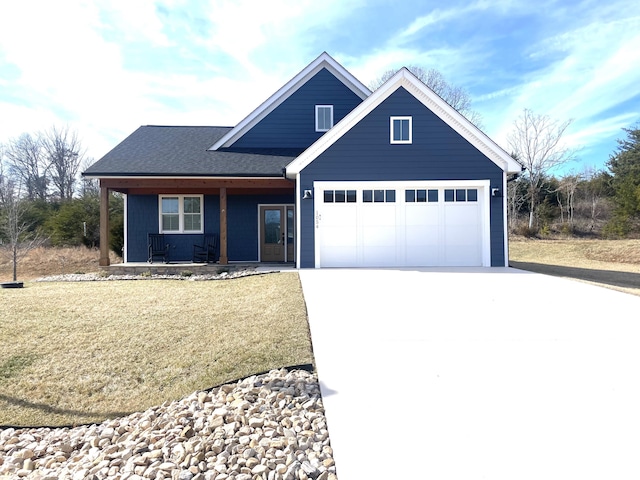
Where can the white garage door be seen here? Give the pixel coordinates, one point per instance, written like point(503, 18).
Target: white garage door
point(401, 224)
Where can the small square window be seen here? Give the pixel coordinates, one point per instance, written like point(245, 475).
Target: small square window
point(328, 196)
point(421, 195)
point(432, 196)
point(324, 117)
point(472, 195)
point(351, 196)
point(390, 196)
point(409, 196)
point(339, 196)
point(401, 129)
point(448, 195)
point(461, 195)
point(378, 196)
point(367, 196)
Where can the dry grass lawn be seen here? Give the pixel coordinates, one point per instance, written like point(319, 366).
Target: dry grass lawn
point(43, 261)
point(610, 263)
point(81, 352)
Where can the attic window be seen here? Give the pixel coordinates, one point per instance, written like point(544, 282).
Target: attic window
point(324, 117)
point(400, 129)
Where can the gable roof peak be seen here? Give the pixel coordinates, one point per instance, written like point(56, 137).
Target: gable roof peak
point(324, 60)
point(423, 93)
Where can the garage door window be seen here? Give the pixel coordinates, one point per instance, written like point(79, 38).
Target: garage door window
point(339, 196)
point(379, 196)
point(461, 195)
point(420, 196)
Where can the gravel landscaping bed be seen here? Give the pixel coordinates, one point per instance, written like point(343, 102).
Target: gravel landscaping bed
point(97, 277)
point(265, 427)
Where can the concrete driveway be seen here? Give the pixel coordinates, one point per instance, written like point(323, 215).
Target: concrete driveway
point(476, 373)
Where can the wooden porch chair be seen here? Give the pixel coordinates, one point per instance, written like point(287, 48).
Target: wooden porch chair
point(158, 247)
point(207, 252)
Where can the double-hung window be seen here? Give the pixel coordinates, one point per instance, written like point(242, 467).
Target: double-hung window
point(324, 117)
point(181, 214)
point(400, 129)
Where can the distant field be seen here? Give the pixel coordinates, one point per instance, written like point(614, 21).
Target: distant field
point(610, 263)
point(52, 261)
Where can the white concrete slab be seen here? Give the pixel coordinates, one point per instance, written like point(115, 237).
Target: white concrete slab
point(476, 374)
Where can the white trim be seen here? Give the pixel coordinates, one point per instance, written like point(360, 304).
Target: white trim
point(392, 130)
point(323, 61)
point(427, 97)
point(484, 199)
point(318, 107)
point(297, 202)
point(505, 219)
point(181, 213)
point(125, 250)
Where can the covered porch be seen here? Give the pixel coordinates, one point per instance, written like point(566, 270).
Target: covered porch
point(239, 211)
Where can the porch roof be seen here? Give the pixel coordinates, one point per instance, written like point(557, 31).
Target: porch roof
point(182, 151)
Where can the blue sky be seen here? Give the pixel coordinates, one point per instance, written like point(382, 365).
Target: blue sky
point(106, 67)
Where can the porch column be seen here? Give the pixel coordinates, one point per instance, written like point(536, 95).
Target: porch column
point(104, 226)
point(224, 260)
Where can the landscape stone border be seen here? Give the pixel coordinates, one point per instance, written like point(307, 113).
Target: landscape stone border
point(264, 427)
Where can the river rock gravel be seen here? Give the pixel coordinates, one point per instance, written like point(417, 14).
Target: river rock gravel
point(265, 427)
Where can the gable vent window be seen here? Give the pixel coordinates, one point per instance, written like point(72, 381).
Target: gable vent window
point(324, 117)
point(401, 129)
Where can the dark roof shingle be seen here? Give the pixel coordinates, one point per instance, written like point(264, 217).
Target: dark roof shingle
point(182, 151)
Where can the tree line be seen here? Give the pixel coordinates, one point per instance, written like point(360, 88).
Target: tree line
point(599, 203)
point(44, 200)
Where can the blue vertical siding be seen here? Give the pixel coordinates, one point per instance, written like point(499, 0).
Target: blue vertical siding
point(365, 154)
point(242, 222)
point(292, 123)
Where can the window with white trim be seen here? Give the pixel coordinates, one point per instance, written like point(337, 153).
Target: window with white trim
point(324, 117)
point(181, 213)
point(401, 129)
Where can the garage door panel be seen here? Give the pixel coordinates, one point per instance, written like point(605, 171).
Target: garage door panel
point(421, 256)
point(339, 237)
point(424, 214)
point(374, 256)
point(378, 215)
point(426, 235)
point(379, 236)
point(343, 256)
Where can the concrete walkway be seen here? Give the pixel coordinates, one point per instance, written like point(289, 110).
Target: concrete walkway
point(476, 374)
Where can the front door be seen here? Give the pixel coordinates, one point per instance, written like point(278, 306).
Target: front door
point(277, 233)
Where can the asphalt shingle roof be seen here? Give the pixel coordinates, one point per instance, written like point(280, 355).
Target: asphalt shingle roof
point(182, 151)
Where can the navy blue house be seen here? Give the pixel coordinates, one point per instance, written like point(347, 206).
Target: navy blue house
point(325, 173)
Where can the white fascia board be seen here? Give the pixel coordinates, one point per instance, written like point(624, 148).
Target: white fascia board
point(323, 61)
point(404, 78)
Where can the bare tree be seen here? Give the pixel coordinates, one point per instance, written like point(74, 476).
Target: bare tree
point(64, 155)
point(537, 141)
point(596, 190)
point(88, 187)
point(567, 189)
point(516, 198)
point(14, 229)
point(27, 164)
point(454, 95)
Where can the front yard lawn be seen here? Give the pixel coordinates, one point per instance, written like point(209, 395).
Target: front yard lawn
point(82, 352)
